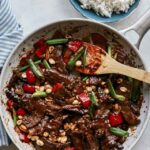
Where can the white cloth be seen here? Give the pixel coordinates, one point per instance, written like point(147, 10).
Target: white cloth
point(10, 31)
point(10, 35)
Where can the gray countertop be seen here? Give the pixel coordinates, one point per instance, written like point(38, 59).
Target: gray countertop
point(32, 14)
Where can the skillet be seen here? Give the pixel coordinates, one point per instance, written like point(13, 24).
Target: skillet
point(83, 27)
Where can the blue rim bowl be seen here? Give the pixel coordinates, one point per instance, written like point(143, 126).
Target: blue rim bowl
point(92, 15)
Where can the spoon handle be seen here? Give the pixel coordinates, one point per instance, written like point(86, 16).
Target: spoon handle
point(131, 72)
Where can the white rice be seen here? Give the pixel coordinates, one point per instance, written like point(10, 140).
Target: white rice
point(107, 7)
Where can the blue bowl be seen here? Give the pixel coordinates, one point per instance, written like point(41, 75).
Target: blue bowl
point(92, 15)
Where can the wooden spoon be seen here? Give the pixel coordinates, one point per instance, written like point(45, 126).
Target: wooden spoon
point(100, 62)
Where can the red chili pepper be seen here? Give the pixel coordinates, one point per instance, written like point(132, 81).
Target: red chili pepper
point(69, 148)
point(85, 100)
point(39, 52)
point(23, 137)
point(75, 45)
point(10, 103)
point(40, 43)
point(30, 76)
point(56, 87)
point(28, 88)
point(21, 112)
point(115, 119)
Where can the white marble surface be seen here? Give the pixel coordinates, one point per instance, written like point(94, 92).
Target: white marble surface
point(34, 13)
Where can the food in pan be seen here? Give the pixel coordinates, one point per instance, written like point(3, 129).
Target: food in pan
point(53, 106)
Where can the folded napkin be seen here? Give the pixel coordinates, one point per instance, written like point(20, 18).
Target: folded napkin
point(10, 31)
point(10, 35)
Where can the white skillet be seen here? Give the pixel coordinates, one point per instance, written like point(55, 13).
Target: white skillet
point(83, 27)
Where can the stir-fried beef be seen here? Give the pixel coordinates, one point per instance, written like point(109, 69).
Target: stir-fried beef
point(56, 108)
point(78, 140)
point(129, 116)
point(49, 145)
point(75, 109)
point(32, 120)
point(53, 76)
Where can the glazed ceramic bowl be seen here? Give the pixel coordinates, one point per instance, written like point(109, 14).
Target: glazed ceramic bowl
point(92, 15)
point(81, 28)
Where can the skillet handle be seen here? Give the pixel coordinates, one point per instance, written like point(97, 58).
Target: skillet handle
point(140, 27)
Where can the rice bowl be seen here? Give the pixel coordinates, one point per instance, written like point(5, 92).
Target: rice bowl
point(107, 7)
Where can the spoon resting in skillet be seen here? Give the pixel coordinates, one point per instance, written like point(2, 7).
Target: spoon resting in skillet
point(100, 62)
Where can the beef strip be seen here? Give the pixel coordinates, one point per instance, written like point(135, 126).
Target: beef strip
point(109, 142)
point(45, 106)
point(60, 66)
point(56, 123)
point(27, 102)
point(135, 109)
point(92, 143)
point(40, 127)
point(62, 93)
point(102, 112)
point(13, 80)
point(49, 145)
point(93, 81)
point(84, 125)
point(75, 109)
point(53, 76)
point(128, 115)
point(33, 119)
point(12, 95)
point(99, 126)
point(72, 85)
point(51, 106)
point(78, 140)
